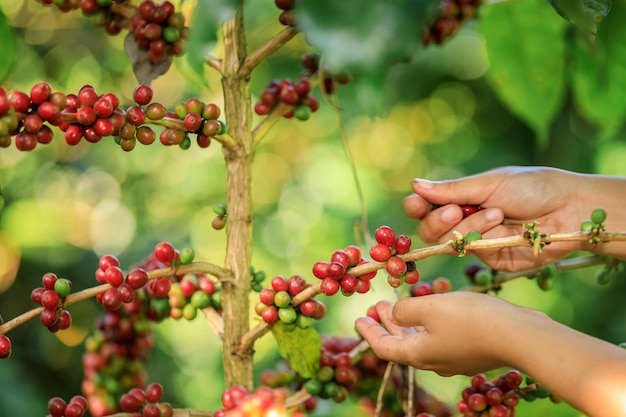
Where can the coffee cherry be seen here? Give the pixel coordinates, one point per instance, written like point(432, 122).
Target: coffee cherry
point(129, 403)
point(5, 346)
point(287, 315)
point(74, 410)
point(137, 278)
point(598, 216)
point(469, 209)
point(385, 235)
point(50, 299)
point(56, 406)
point(62, 287)
point(329, 286)
point(395, 266)
point(270, 315)
point(114, 276)
point(154, 392)
point(164, 252)
point(380, 252)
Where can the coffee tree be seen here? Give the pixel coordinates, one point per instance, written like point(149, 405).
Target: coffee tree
point(171, 283)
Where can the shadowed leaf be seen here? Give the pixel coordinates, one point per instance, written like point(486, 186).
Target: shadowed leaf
point(301, 347)
point(7, 47)
point(586, 14)
point(145, 70)
point(527, 59)
point(599, 73)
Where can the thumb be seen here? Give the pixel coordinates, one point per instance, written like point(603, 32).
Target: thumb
point(468, 190)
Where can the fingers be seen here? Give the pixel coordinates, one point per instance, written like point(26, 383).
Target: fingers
point(468, 190)
point(385, 345)
point(415, 206)
point(437, 226)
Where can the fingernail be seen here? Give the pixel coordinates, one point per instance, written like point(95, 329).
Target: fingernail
point(425, 184)
point(449, 214)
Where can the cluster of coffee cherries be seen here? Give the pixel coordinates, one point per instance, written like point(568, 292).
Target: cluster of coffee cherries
point(191, 116)
point(290, 93)
point(219, 221)
point(387, 249)
point(495, 398)
point(75, 407)
point(146, 402)
point(275, 303)
point(451, 15)
point(335, 274)
point(51, 296)
point(239, 402)
point(329, 80)
point(337, 374)
point(159, 29)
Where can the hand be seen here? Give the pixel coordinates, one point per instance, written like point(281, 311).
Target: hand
point(509, 197)
point(451, 333)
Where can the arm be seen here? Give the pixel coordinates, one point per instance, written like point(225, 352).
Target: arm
point(558, 200)
point(468, 333)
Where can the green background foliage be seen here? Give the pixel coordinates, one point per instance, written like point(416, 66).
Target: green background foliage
point(518, 86)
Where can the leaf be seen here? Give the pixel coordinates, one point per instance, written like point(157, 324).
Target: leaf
point(8, 47)
point(301, 347)
point(586, 14)
point(208, 17)
point(599, 73)
point(363, 36)
point(145, 70)
point(526, 48)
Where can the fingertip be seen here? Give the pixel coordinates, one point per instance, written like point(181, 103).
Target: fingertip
point(415, 206)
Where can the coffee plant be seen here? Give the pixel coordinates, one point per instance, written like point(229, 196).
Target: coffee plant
point(244, 305)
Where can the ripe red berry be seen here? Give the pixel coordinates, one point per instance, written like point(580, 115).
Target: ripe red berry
point(469, 209)
point(513, 378)
point(395, 266)
point(87, 96)
point(232, 396)
point(329, 286)
point(385, 235)
point(320, 269)
point(40, 92)
point(48, 280)
point(349, 284)
point(126, 293)
point(50, 299)
point(412, 277)
point(266, 296)
point(129, 403)
point(154, 392)
point(35, 294)
point(114, 276)
point(73, 135)
point(56, 407)
point(296, 284)
point(48, 111)
point(354, 254)
point(270, 314)
point(135, 115)
point(192, 122)
point(477, 402)
point(380, 252)
point(48, 317)
point(279, 283)
point(421, 289)
point(151, 410)
point(5, 346)
point(402, 244)
point(142, 94)
point(111, 300)
point(19, 101)
point(64, 320)
point(165, 252)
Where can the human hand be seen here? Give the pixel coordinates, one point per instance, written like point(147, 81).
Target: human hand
point(451, 333)
point(509, 198)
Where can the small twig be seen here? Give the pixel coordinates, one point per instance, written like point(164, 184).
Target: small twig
point(411, 397)
point(259, 132)
point(215, 320)
point(297, 398)
point(381, 389)
point(272, 45)
point(214, 62)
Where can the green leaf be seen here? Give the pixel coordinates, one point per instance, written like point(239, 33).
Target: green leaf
point(586, 14)
point(301, 347)
point(363, 36)
point(526, 48)
point(207, 19)
point(599, 73)
point(8, 47)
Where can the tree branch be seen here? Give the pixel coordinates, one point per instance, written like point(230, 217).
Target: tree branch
point(178, 412)
point(257, 56)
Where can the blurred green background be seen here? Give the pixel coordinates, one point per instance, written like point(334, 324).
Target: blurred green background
point(436, 116)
